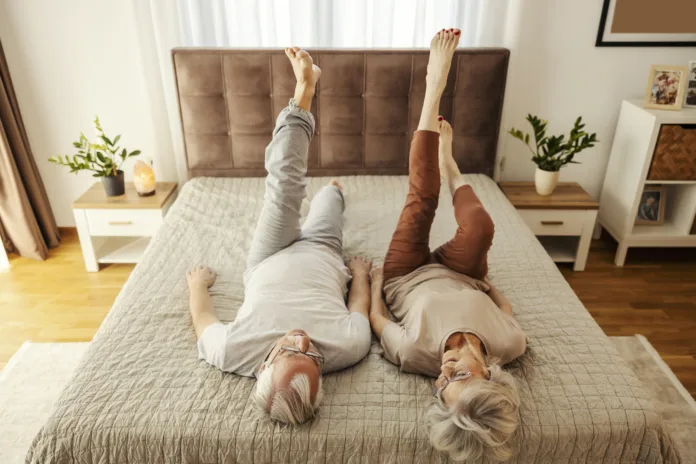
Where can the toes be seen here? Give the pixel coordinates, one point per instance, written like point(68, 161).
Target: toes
point(300, 54)
point(290, 53)
point(296, 49)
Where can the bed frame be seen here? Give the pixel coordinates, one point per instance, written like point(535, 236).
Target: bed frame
point(367, 107)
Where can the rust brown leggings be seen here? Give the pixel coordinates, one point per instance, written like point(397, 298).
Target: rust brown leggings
point(467, 252)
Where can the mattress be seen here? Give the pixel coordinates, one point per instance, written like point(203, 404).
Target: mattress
point(142, 396)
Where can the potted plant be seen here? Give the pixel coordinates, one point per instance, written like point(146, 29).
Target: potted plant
point(104, 158)
point(552, 153)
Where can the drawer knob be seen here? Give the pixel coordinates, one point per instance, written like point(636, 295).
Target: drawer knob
point(551, 223)
point(120, 223)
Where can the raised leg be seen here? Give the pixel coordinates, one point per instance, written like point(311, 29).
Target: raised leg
point(409, 248)
point(467, 252)
point(286, 163)
point(324, 222)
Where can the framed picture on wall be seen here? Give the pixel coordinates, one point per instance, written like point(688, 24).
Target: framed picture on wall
point(666, 87)
point(691, 86)
point(651, 209)
point(647, 23)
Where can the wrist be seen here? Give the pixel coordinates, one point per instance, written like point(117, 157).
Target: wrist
point(360, 274)
point(198, 286)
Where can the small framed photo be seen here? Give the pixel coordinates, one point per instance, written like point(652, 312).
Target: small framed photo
point(651, 209)
point(691, 86)
point(666, 87)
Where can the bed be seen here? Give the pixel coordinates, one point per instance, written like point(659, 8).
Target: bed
point(140, 395)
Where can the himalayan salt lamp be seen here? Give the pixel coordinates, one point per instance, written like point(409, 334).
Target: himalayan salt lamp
point(144, 179)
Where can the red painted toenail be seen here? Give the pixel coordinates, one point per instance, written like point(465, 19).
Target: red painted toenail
point(451, 29)
point(456, 32)
point(439, 118)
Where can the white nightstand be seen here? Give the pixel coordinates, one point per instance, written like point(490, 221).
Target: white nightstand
point(563, 221)
point(118, 229)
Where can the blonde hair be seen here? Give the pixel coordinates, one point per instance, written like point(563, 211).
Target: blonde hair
point(481, 422)
point(291, 405)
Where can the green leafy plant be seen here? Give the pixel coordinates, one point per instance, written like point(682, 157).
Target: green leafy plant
point(104, 158)
point(553, 152)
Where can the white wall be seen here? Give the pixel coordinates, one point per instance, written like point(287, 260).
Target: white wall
point(73, 59)
point(70, 60)
point(557, 73)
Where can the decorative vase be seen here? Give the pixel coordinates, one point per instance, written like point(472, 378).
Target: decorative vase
point(545, 181)
point(144, 179)
point(114, 185)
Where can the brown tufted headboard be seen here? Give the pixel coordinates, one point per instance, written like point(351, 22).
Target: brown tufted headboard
point(367, 106)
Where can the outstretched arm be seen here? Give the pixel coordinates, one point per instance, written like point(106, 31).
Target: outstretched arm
point(379, 317)
point(498, 298)
point(359, 297)
point(201, 304)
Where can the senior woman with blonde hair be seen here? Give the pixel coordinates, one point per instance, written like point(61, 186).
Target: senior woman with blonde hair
point(451, 323)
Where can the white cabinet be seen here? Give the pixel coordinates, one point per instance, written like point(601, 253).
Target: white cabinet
point(632, 151)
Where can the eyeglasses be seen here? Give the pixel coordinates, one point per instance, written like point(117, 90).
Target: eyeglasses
point(315, 357)
point(437, 392)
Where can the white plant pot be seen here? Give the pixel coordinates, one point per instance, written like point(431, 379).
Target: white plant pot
point(545, 181)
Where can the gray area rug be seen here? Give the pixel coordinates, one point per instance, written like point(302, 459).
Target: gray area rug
point(671, 399)
point(33, 379)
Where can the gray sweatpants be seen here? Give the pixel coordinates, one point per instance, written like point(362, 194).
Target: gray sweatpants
point(286, 163)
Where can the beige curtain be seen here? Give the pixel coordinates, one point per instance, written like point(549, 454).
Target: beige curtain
point(27, 225)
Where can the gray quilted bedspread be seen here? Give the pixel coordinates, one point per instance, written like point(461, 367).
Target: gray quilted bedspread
point(141, 395)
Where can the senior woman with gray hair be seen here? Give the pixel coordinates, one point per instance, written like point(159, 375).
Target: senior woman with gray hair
point(294, 324)
point(451, 323)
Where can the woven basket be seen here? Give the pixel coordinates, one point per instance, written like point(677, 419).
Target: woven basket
point(675, 154)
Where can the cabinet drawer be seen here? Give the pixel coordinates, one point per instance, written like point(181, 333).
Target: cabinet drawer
point(554, 222)
point(115, 222)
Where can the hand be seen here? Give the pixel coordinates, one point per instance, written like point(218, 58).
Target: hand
point(359, 266)
point(200, 276)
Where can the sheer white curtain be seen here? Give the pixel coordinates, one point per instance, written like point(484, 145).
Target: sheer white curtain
point(339, 23)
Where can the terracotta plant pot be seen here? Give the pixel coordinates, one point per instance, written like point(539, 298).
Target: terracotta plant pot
point(545, 181)
point(114, 185)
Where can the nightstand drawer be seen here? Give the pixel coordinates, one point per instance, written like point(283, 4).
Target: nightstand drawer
point(123, 223)
point(554, 222)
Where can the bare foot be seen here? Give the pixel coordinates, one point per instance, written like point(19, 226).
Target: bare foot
point(306, 73)
point(448, 167)
point(359, 266)
point(200, 276)
point(335, 183)
point(441, 50)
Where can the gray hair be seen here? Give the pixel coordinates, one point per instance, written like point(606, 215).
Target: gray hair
point(482, 421)
point(292, 405)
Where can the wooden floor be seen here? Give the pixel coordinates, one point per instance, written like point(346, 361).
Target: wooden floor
point(655, 295)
